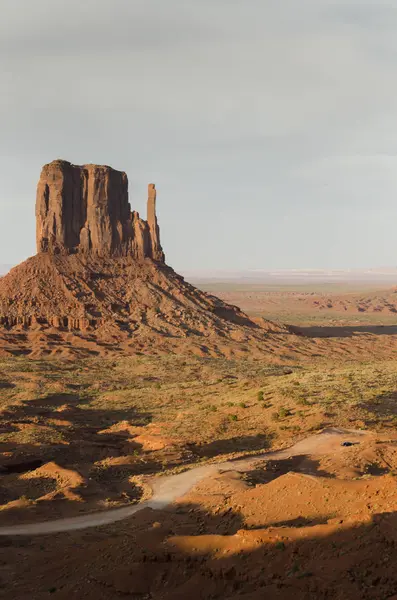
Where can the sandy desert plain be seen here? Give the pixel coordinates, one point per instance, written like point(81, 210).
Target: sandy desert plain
point(196, 450)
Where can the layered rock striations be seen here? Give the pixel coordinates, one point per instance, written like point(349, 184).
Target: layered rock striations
point(85, 209)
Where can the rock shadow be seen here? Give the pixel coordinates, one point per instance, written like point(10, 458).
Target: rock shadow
point(273, 469)
point(191, 553)
point(342, 331)
point(231, 445)
point(67, 432)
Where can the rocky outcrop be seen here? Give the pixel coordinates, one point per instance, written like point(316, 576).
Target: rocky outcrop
point(99, 283)
point(157, 251)
point(85, 209)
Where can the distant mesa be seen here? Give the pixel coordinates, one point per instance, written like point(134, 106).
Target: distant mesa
point(86, 209)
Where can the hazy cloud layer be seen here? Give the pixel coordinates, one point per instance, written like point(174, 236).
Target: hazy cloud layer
point(270, 128)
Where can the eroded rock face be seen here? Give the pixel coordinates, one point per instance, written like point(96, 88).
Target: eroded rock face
point(157, 251)
point(86, 209)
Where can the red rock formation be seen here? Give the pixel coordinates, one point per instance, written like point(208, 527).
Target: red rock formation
point(156, 249)
point(99, 283)
point(85, 209)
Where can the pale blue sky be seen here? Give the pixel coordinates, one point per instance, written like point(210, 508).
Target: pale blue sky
point(269, 126)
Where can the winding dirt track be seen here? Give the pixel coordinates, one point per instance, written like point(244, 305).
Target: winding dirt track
point(168, 489)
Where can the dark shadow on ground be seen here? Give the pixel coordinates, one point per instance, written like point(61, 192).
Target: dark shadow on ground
point(65, 430)
point(235, 444)
point(343, 331)
point(272, 469)
point(190, 553)
point(381, 410)
point(234, 315)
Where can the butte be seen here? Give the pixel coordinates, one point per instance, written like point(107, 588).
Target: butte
point(99, 282)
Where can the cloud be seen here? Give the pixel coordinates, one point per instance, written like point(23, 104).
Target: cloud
point(269, 109)
point(361, 164)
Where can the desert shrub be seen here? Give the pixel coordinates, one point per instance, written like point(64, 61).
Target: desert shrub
point(295, 428)
point(233, 417)
point(282, 413)
point(303, 402)
point(242, 405)
point(222, 427)
point(260, 396)
point(210, 407)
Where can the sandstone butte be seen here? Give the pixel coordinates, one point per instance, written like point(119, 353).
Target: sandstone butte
point(99, 282)
point(86, 209)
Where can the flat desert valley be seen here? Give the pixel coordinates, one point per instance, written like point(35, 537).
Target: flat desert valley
point(286, 463)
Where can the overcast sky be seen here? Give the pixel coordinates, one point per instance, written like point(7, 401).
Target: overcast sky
point(268, 126)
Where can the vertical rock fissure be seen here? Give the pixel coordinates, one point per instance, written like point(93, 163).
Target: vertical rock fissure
point(86, 209)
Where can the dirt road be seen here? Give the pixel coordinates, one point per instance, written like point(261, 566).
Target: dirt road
point(169, 488)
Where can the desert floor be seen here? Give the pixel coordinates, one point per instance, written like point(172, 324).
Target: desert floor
point(82, 436)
